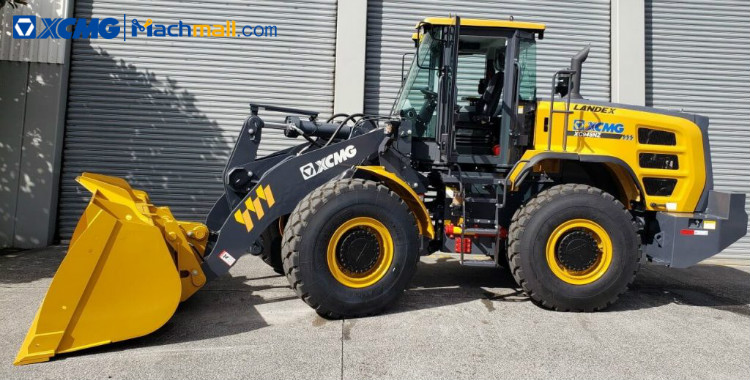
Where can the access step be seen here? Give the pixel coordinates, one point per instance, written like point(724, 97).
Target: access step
point(479, 263)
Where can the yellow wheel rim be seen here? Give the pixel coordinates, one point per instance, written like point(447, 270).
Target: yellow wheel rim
point(384, 253)
point(600, 264)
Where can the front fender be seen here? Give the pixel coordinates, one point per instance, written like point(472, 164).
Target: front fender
point(398, 186)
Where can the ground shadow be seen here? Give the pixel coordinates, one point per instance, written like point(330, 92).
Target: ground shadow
point(226, 307)
point(445, 282)
point(716, 286)
point(25, 266)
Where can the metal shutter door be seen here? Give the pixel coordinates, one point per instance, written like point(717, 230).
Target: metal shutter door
point(164, 112)
point(569, 29)
point(698, 60)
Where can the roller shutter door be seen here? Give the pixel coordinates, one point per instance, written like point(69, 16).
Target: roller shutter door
point(698, 60)
point(164, 112)
point(570, 27)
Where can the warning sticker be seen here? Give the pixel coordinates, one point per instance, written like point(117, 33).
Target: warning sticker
point(709, 224)
point(227, 258)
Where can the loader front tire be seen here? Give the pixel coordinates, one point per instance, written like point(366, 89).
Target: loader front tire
point(350, 248)
point(573, 248)
point(271, 253)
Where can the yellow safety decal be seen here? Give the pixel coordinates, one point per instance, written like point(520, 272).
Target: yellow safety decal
point(255, 206)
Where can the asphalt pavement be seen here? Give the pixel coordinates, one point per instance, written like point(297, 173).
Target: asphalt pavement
point(454, 322)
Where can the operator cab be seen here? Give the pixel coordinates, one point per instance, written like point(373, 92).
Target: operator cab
point(467, 102)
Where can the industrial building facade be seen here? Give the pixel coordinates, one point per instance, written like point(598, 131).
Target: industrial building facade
point(164, 112)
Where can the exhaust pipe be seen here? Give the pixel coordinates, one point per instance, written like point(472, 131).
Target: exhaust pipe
point(575, 64)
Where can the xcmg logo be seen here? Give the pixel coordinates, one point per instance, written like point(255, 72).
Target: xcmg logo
point(311, 170)
point(25, 27)
point(597, 126)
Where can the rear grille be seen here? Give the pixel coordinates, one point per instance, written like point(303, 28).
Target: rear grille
point(659, 186)
point(658, 161)
point(656, 137)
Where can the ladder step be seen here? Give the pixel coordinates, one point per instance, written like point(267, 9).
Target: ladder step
point(480, 200)
point(481, 231)
point(479, 263)
point(479, 221)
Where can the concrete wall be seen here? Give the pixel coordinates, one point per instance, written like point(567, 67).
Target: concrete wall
point(628, 49)
point(351, 40)
point(32, 105)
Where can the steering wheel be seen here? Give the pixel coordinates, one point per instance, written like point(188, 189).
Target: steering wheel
point(429, 93)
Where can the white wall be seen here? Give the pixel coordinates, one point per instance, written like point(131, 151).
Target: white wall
point(628, 52)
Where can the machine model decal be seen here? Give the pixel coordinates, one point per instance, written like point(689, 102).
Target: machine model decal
point(310, 170)
point(254, 206)
point(598, 129)
point(600, 109)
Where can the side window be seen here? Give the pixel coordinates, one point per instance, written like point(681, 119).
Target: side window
point(527, 62)
point(418, 94)
point(471, 69)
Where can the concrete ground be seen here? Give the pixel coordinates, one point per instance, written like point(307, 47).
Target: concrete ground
point(453, 323)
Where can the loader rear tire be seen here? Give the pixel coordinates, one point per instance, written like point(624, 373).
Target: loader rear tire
point(573, 248)
point(342, 217)
point(271, 253)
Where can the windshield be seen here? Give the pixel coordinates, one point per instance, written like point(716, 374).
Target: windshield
point(420, 88)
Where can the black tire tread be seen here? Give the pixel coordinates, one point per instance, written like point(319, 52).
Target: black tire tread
point(521, 218)
point(297, 223)
point(271, 255)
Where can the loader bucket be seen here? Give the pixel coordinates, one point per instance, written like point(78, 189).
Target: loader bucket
point(128, 266)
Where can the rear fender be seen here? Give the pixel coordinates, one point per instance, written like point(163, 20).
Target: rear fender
point(626, 179)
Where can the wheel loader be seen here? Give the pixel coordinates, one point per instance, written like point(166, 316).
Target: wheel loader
point(570, 194)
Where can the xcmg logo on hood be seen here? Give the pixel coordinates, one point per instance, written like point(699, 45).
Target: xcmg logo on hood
point(312, 169)
point(597, 126)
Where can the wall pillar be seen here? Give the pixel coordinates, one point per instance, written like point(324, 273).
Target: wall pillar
point(351, 39)
point(628, 52)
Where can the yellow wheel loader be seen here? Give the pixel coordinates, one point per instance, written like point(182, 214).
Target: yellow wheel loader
point(570, 194)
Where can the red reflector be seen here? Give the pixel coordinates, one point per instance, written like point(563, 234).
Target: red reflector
point(503, 233)
point(496, 150)
point(449, 229)
point(694, 232)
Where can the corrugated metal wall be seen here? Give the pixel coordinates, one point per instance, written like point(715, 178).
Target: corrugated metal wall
point(698, 60)
point(570, 27)
point(164, 112)
point(46, 50)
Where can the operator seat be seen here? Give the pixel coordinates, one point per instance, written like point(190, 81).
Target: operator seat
point(490, 100)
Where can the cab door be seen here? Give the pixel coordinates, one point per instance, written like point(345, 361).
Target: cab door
point(447, 93)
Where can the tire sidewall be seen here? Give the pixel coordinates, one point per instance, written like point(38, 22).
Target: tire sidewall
point(313, 265)
point(605, 213)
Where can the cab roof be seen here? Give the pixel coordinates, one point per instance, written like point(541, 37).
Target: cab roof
point(485, 23)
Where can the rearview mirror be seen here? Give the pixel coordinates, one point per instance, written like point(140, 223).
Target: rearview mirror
point(562, 86)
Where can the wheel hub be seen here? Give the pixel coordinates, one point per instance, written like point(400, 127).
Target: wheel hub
point(578, 250)
point(358, 251)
